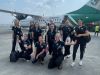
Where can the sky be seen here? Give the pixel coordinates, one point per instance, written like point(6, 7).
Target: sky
point(38, 7)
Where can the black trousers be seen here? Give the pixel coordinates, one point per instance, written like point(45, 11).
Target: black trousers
point(31, 41)
point(82, 50)
point(14, 43)
point(67, 47)
point(40, 58)
point(25, 54)
point(35, 41)
point(67, 50)
point(50, 47)
point(96, 32)
point(55, 62)
point(64, 38)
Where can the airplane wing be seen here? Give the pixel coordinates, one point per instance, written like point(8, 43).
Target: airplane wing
point(20, 16)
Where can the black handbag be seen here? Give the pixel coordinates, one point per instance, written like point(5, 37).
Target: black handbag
point(14, 56)
point(88, 38)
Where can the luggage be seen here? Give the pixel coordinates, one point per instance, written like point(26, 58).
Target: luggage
point(14, 56)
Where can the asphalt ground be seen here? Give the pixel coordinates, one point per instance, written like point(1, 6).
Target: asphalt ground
point(91, 62)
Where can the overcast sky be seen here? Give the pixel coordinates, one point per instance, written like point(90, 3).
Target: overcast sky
point(38, 7)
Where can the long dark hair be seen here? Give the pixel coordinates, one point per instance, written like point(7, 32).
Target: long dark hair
point(54, 29)
point(36, 24)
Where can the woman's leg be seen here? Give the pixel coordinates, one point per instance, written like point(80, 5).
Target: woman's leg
point(42, 56)
point(59, 61)
point(51, 64)
point(75, 51)
point(67, 50)
point(82, 50)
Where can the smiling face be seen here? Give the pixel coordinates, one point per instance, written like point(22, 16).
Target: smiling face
point(40, 39)
point(57, 37)
point(36, 25)
point(52, 27)
point(16, 22)
point(80, 23)
point(67, 22)
point(31, 23)
point(25, 36)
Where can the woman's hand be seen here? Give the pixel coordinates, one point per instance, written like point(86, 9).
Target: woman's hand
point(33, 55)
point(25, 46)
point(37, 56)
point(66, 43)
point(79, 35)
point(73, 43)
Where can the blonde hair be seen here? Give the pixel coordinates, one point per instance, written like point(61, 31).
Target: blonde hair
point(59, 35)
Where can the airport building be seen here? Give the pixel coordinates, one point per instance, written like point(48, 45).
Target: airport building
point(43, 21)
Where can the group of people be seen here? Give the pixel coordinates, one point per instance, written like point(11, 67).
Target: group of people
point(57, 42)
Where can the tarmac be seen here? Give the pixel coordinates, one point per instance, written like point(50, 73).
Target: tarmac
point(91, 62)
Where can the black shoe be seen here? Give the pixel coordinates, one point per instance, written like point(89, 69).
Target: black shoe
point(42, 62)
point(34, 61)
point(60, 67)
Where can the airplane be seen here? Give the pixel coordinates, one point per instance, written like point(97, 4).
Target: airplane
point(23, 16)
point(40, 19)
point(18, 15)
point(88, 13)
